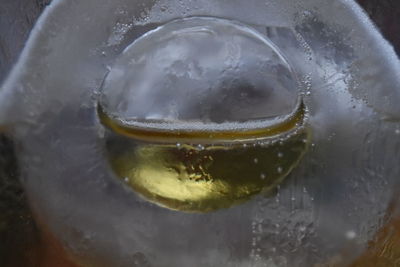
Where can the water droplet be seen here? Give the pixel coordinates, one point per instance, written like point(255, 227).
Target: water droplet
point(397, 131)
point(350, 234)
point(262, 176)
point(126, 179)
point(178, 145)
point(101, 132)
point(279, 170)
point(255, 160)
point(280, 155)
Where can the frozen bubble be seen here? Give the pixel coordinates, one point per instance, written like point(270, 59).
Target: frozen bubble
point(351, 235)
point(279, 170)
point(201, 73)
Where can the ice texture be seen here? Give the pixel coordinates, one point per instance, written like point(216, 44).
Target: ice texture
point(348, 72)
point(204, 70)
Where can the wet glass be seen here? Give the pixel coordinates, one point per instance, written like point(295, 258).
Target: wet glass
point(211, 133)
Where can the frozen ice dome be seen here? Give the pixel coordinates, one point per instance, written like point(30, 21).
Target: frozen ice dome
point(346, 181)
point(205, 72)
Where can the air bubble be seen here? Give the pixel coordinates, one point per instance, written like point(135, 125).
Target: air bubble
point(185, 68)
point(350, 235)
point(166, 55)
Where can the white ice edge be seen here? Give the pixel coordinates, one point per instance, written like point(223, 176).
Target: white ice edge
point(369, 27)
point(7, 88)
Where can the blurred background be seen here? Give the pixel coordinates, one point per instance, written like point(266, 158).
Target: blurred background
point(18, 234)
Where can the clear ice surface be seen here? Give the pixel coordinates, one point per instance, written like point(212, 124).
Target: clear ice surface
point(203, 70)
point(348, 72)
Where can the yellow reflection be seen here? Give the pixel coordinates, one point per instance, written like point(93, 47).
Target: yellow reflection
point(190, 179)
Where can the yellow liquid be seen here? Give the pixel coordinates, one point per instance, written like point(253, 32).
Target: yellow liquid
point(210, 176)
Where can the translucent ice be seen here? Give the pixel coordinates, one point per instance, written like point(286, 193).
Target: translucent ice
point(344, 184)
point(201, 70)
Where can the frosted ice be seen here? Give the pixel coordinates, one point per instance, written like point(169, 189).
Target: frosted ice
point(204, 70)
point(350, 70)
